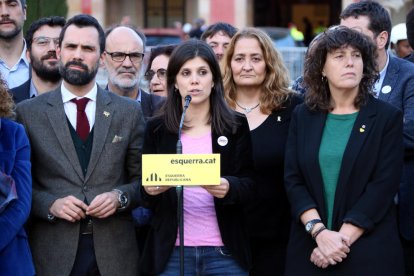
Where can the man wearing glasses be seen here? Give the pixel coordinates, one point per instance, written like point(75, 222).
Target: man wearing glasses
point(123, 59)
point(42, 38)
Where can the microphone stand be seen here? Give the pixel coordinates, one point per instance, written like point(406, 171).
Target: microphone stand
point(180, 190)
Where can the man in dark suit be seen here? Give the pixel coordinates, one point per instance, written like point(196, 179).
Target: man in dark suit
point(395, 86)
point(125, 48)
point(86, 150)
point(42, 38)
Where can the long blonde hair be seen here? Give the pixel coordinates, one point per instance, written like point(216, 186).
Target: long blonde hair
point(276, 84)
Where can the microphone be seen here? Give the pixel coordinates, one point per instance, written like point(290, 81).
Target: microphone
point(179, 147)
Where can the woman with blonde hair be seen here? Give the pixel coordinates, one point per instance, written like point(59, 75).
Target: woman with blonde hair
point(256, 83)
point(15, 191)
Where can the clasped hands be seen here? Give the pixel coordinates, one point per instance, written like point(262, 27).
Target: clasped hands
point(332, 248)
point(73, 209)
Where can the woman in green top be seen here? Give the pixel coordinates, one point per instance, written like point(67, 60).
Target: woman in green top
point(343, 165)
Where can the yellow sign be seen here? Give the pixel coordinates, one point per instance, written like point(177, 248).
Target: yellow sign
point(180, 169)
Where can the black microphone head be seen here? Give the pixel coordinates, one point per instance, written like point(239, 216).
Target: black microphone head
point(187, 101)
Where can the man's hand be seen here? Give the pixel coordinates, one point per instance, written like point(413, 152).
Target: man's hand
point(103, 205)
point(68, 208)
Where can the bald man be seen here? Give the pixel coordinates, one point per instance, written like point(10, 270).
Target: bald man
point(123, 59)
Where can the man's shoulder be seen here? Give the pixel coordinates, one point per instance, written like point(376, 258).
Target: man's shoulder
point(405, 66)
point(118, 99)
point(38, 101)
point(22, 92)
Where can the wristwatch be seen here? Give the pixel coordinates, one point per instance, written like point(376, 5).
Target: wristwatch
point(50, 217)
point(310, 224)
point(122, 198)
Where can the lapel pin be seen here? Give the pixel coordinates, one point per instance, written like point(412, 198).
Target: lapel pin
point(386, 89)
point(106, 114)
point(222, 141)
point(362, 128)
point(279, 119)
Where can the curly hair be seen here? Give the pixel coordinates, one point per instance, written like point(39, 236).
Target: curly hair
point(6, 101)
point(276, 83)
point(318, 95)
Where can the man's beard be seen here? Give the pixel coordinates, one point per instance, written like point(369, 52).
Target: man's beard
point(44, 72)
point(10, 34)
point(77, 77)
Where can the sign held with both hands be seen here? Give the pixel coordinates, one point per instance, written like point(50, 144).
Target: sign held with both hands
point(180, 169)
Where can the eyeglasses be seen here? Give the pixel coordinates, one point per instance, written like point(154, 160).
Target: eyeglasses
point(161, 74)
point(43, 41)
point(120, 57)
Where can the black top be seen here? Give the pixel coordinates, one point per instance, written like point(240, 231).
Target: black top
point(269, 215)
point(368, 180)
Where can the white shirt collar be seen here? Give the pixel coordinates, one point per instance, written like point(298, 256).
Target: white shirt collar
point(67, 95)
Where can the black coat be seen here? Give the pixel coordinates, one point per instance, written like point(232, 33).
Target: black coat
point(22, 92)
point(236, 167)
point(368, 181)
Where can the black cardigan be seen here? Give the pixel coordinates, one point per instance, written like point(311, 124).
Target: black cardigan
point(236, 167)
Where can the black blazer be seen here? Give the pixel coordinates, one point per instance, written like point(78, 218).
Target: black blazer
point(236, 167)
point(368, 181)
point(150, 103)
point(22, 92)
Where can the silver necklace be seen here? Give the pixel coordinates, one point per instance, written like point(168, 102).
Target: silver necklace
point(247, 109)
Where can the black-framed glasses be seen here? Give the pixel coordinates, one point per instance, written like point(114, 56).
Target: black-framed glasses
point(43, 41)
point(134, 57)
point(161, 74)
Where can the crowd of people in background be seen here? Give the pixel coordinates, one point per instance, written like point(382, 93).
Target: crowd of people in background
point(316, 178)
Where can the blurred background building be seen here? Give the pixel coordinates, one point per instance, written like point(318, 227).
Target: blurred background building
point(164, 13)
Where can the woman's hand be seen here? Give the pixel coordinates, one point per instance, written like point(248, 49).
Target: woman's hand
point(333, 245)
point(156, 190)
point(351, 231)
point(218, 191)
point(318, 259)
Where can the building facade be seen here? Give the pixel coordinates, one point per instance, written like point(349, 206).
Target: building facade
point(241, 13)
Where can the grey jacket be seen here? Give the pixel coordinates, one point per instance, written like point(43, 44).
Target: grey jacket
point(114, 163)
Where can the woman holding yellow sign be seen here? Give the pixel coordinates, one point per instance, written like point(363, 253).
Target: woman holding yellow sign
point(215, 236)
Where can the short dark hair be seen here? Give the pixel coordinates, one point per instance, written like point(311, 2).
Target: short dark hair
point(318, 96)
point(160, 50)
point(222, 118)
point(84, 20)
point(226, 28)
point(137, 31)
point(50, 21)
point(23, 2)
point(409, 22)
point(379, 17)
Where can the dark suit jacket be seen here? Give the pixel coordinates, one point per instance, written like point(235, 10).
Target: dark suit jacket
point(114, 163)
point(15, 256)
point(410, 57)
point(236, 167)
point(400, 77)
point(22, 92)
point(150, 103)
point(368, 180)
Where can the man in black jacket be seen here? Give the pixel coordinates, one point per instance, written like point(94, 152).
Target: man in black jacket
point(42, 38)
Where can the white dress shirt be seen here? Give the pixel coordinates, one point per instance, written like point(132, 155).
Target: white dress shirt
point(71, 109)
